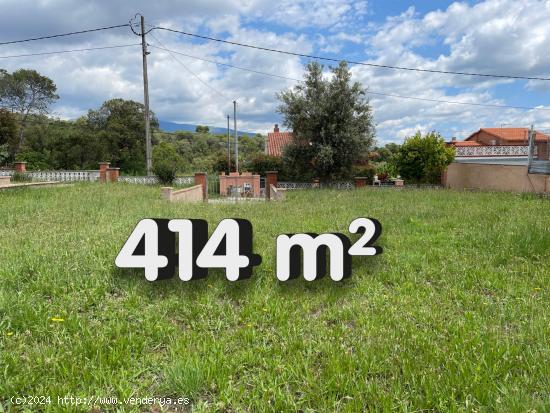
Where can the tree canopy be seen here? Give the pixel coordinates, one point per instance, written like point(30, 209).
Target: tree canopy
point(331, 121)
point(26, 92)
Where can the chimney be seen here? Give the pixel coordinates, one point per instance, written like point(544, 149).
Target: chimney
point(276, 128)
point(453, 139)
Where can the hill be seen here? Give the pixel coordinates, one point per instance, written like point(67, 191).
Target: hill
point(173, 127)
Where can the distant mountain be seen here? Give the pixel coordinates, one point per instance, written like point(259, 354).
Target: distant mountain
point(173, 127)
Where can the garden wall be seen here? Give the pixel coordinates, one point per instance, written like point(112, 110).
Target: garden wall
point(512, 178)
point(192, 194)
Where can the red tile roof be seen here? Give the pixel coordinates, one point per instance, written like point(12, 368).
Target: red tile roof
point(511, 134)
point(276, 141)
point(465, 143)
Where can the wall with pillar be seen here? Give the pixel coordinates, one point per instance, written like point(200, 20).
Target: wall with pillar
point(201, 179)
point(246, 184)
point(270, 179)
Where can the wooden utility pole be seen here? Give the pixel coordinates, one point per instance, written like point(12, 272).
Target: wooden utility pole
point(236, 138)
point(228, 148)
point(148, 148)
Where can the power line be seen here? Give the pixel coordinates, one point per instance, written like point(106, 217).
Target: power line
point(368, 91)
point(446, 72)
point(65, 34)
point(228, 65)
point(186, 68)
point(454, 102)
point(69, 51)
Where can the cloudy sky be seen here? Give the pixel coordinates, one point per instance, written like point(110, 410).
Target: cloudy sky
point(493, 36)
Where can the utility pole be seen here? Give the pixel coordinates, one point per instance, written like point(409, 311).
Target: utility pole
point(228, 148)
point(236, 138)
point(148, 148)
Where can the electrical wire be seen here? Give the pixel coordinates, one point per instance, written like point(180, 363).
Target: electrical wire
point(368, 91)
point(446, 72)
point(70, 51)
point(186, 68)
point(65, 34)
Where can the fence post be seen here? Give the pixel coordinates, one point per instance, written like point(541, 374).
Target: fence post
point(20, 167)
point(112, 174)
point(316, 183)
point(103, 171)
point(271, 179)
point(200, 179)
point(360, 181)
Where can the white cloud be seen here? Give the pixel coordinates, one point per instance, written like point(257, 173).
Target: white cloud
point(500, 36)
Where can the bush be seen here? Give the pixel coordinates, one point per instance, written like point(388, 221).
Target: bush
point(165, 163)
point(387, 169)
point(366, 171)
point(220, 164)
point(264, 163)
point(21, 177)
point(422, 159)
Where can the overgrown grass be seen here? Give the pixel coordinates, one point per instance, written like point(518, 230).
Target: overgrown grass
point(454, 316)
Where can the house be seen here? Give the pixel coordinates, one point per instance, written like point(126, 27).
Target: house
point(276, 141)
point(500, 136)
point(500, 159)
point(502, 142)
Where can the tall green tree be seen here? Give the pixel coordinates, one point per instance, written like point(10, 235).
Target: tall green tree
point(26, 92)
point(422, 159)
point(331, 121)
point(8, 135)
point(121, 126)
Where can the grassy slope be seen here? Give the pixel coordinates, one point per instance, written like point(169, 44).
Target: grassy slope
point(453, 316)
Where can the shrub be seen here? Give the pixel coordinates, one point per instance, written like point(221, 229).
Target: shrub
point(422, 159)
point(21, 177)
point(165, 163)
point(264, 163)
point(366, 171)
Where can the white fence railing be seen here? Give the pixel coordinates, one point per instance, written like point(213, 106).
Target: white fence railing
point(60, 176)
point(502, 150)
point(92, 175)
point(311, 185)
point(153, 180)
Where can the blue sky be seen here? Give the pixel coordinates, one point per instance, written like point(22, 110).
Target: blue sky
point(492, 36)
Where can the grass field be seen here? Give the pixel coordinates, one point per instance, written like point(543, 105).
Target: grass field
point(453, 316)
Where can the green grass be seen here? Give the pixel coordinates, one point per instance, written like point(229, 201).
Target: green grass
point(453, 316)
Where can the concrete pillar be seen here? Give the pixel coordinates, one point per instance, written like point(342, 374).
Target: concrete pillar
point(360, 181)
point(103, 171)
point(20, 167)
point(270, 179)
point(316, 182)
point(113, 174)
point(166, 193)
point(200, 179)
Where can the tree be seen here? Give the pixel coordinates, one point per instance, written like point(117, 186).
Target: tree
point(121, 125)
point(422, 159)
point(331, 121)
point(26, 92)
point(202, 129)
point(385, 153)
point(8, 128)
